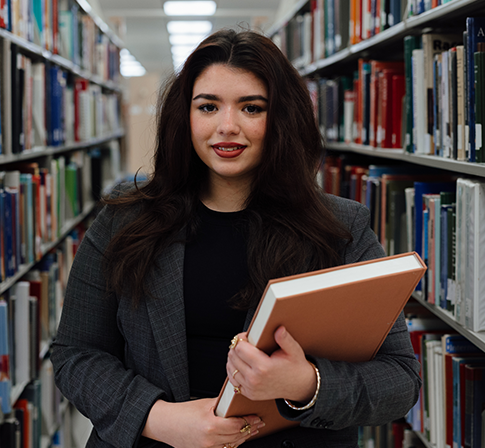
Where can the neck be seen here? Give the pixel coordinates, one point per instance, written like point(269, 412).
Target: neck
point(225, 196)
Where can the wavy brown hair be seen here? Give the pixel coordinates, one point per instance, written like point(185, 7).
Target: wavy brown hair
point(291, 226)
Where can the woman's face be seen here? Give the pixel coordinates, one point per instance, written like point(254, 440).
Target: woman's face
point(228, 122)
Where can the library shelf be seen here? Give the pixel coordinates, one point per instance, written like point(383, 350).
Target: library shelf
point(478, 338)
point(457, 166)
point(37, 153)
point(68, 227)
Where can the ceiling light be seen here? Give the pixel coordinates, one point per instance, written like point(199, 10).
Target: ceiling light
point(186, 39)
point(189, 27)
point(132, 70)
point(193, 8)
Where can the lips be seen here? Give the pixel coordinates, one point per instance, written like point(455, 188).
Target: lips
point(228, 149)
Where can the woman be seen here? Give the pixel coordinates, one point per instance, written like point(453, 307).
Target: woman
point(170, 271)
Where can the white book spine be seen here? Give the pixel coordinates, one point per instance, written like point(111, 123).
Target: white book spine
point(419, 101)
point(22, 340)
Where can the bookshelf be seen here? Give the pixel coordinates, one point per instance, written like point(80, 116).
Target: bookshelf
point(345, 85)
point(61, 128)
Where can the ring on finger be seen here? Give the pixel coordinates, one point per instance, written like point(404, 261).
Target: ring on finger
point(234, 373)
point(246, 428)
point(234, 341)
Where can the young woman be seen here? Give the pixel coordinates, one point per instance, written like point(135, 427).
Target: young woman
point(172, 269)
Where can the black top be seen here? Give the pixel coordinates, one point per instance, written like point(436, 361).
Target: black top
point(215, 269)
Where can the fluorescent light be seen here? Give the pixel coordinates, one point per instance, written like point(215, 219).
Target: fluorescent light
point(128, 57)
point(189, 27)
point(193, 8)
point(186, 39)
point(131, 71)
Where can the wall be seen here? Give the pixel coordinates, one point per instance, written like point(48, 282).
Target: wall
point(141, 98)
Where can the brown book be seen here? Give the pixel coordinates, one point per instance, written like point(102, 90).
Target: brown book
point(327, 312)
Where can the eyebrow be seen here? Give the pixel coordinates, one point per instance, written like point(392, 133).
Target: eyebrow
point(243, 99)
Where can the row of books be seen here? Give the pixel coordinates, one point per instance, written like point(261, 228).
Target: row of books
point(43, 105)
point(445, 98)
point(38, 202)
point(63, 28)
point(397, 434)
point(431, 102)
point(325, 27)
point(37, 418)
point(29, 315)
point(450, 410)
point(436, 215)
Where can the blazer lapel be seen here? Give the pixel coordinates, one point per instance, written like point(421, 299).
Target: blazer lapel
point(166, 312)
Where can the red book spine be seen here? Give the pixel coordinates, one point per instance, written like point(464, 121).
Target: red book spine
point(398, 92)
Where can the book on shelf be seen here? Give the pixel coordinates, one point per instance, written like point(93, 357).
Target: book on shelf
point(368, 307)
point(5, 381)
point(434, 43)
point(475, 33)
point(410, 43)
point(459, 394)
point(474, 404)
point(470, 255)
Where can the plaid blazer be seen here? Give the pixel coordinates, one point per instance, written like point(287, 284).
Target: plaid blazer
point(113, 361)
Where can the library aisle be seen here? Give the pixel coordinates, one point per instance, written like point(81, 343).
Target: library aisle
point(398, 89)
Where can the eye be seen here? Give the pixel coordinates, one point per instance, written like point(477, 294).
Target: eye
point(253, 109)
point(207, 108)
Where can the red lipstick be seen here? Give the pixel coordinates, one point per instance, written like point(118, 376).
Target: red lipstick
point(228, 150)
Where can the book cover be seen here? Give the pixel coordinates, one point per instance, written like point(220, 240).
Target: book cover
point(475, 29)
point(410, 43)
point(373, 285)
point(432, 44)
point(459, 395)
point(474, 404)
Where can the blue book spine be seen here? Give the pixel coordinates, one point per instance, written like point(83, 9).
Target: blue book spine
point(456, 343)
point(8, 15)
point(26, 180)
point(8, 235)
point(18, 236)
point(475, 29)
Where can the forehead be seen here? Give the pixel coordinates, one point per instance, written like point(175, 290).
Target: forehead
point(221, 79)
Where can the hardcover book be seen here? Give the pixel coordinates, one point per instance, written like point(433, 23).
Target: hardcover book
point(335, 305)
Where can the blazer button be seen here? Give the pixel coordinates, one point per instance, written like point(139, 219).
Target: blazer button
point(330, 423)
point(287, 444)
point(315, 421)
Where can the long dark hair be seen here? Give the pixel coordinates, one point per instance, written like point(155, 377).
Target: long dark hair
point(291, 227)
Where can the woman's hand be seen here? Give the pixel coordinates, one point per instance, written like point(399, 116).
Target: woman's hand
point(193, 424)
point(284, 374)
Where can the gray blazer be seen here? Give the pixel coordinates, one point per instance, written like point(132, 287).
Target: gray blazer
point(113, 361)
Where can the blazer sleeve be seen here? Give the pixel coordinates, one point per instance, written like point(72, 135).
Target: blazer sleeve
point(368, 393)
point(88, 350)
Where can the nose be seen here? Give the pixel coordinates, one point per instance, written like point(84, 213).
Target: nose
point(228, 122)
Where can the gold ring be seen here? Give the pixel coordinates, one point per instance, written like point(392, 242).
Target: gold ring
point(235, 371)
point(228, 446)
point(247, 428)
point(234, 341)
point(237, 389)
